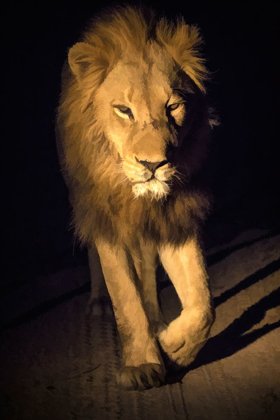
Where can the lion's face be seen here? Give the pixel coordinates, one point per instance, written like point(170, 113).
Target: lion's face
point(143, 115)
point(145, 91)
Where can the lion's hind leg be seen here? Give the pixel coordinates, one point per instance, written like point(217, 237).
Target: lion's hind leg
point(99, 292)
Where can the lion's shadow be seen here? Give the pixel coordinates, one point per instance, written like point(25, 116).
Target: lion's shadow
point(234, 337)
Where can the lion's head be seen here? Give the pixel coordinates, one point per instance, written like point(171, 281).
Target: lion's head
point(138, 92)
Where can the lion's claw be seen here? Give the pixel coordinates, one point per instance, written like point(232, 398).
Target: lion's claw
point(141, 377)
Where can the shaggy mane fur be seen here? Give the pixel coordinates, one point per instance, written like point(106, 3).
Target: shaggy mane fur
point(103, 204)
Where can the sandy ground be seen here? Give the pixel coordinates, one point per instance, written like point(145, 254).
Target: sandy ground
point(57, 362)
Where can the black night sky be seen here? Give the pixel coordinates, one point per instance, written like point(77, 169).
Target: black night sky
point(241, 47)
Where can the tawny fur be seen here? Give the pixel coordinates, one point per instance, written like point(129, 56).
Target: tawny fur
point(127, 57)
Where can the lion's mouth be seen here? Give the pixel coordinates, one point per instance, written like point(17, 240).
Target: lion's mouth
point(153, 187)
point(146, 180)
point(156, 183)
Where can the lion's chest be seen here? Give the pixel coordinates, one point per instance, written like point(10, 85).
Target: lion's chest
point(161, 222)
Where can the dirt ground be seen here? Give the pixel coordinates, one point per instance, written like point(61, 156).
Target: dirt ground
point(58, 362)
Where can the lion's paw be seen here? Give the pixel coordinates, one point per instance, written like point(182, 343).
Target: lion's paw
point(184, 337)
point(141, 377)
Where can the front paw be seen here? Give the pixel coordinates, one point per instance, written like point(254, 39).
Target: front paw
point(141, 377)
point(185, 336)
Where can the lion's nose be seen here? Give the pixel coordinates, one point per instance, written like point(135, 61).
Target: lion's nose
point(152, 166)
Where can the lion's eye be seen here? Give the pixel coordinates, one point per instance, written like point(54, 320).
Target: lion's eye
point(174, 106)
point(123, 111)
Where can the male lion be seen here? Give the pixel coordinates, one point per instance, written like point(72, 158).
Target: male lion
point(133, 128)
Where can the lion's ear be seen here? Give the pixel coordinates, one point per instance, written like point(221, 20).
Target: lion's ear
point(80, 57)
point(182, 42)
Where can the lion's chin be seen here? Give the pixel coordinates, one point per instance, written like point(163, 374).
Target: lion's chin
point(154, 189)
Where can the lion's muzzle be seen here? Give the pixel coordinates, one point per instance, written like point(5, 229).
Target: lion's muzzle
point(152, 166)
point(149, 178)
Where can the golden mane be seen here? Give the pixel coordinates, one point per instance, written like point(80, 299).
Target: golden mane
point(89, 163)
point(124, 29)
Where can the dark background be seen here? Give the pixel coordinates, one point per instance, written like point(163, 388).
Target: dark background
point(241, 47)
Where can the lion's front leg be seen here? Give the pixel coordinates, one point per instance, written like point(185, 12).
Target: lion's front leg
point(186, 335)
point(145, 262)
point(142, 364)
